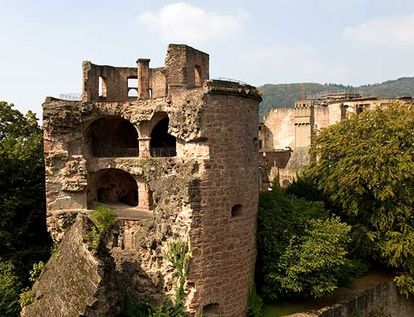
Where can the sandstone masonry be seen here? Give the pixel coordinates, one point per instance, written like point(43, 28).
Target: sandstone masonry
point(162, 148)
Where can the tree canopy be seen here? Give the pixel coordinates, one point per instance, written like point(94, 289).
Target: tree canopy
point(365, 167)
point(302, 250)
point(23, 235)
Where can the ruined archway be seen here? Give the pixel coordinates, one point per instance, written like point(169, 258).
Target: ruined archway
point(112, 137)
point(113, 187)
point(162, 143)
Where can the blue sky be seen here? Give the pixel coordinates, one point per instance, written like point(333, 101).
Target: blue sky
point(43, 43)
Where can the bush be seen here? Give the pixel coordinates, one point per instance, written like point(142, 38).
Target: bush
point(254, 303)
point(302, 250)
point(36, 270)
point(366, 167)
point(104, 219)
point(9, 290)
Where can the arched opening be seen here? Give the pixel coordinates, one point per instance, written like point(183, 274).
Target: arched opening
point(132, 86)
point(211, 310)
point(236, 210)
point(113, 187)
point(112, 137)
point(162, 143)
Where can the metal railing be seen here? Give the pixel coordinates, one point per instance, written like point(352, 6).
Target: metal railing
point(115, 152)
point(71, 96)
point(163, 151)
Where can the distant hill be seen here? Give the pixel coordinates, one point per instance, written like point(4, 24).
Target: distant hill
point(285, 95)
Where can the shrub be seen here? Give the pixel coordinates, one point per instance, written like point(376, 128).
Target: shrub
point(254, 303)
point(9, 290)
point(104, 219)
point(366, 167)
point(302, 250)
point(36, 270)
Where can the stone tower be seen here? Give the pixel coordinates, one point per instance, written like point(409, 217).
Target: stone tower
point(174, 154)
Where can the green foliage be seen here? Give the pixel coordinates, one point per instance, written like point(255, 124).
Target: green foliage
point(26, 298)
point(105, 220)
point(36, 270)
point(366, 167)
point(168, 309)
point(136, 308)
point(10, 286)
point(254, 303)
point(285, 95)
point(179, 256)
point(312, 263)
point(23, 234)
point(302, 251)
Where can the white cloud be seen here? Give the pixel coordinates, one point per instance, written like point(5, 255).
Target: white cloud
point(186, 23)
point(394, 31)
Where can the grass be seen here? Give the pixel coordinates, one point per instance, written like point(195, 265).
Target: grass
point(282, 309)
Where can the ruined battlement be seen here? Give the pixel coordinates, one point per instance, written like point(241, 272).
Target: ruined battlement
point(185, 67)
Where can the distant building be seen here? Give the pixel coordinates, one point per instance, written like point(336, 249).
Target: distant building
point(285, 133)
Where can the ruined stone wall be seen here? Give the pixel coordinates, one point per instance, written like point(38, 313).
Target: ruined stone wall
point(321, 114)
point(382, 301)
point(192, 194)
point(158, 82)
point(280, 129)
point(115, 79)
point(182, 63)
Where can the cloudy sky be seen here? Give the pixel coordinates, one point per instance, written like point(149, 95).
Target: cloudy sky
point(43, 42)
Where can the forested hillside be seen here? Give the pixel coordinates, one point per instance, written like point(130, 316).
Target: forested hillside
point(284, 95)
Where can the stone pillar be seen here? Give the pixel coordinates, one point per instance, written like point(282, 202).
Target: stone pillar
point(144, 146)
point(143, 196)
point(143, 77)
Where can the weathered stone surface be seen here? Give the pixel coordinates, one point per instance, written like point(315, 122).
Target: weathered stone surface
point(77, 280)
point(193, 164)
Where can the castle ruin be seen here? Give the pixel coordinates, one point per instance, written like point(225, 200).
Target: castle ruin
point(285, 134)
point(162, 148)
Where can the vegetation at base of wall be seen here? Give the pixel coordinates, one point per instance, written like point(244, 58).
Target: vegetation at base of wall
point(105, 220)
point(26, 297)
point(10, 286)
point(143, 308)
point(366, 172)
point(23, 235)
point(35, 272)
point(254, 303)
point(179, 257)
point(136, 308)
point(302, 249)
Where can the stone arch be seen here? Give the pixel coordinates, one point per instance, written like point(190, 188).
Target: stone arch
point(112, 136)
point(113, 187)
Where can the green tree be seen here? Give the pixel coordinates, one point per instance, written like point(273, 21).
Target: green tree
point(22, 223)
point(366, 168)
point(302, 250)
point(23, 235)
point(10, 287)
